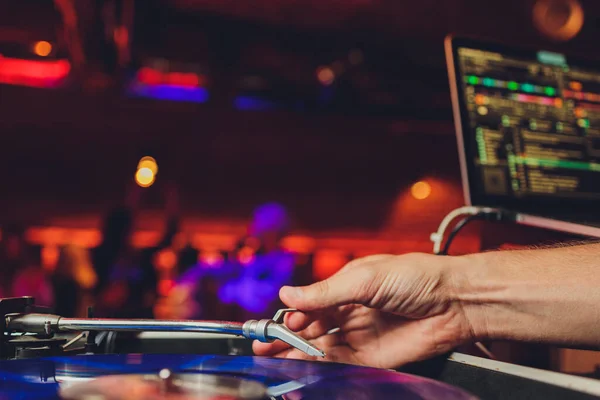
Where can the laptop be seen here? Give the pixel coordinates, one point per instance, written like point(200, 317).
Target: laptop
point(528, 130)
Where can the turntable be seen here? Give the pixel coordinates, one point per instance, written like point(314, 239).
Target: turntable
point(158, 376)
point(45, 356)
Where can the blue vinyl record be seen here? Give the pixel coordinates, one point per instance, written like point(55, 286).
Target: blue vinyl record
point(181, 377)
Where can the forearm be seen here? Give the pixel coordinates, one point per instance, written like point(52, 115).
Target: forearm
point(549, 295)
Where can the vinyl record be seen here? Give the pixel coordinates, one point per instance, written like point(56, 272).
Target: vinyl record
point(158, 376)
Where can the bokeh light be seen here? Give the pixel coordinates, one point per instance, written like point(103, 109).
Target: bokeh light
point(145, 177)
point(246, 255)
point(50, 256)
point(42, 48)
point(166, 259)
point(150, 163)
point(325, 75)
point(421, 190)
point(165, 286)
point(211, 258)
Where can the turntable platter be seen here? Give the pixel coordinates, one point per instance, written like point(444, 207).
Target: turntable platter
point(164, 385)
point(158, 376)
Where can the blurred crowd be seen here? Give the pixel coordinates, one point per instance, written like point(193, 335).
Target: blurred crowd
point(122, 281)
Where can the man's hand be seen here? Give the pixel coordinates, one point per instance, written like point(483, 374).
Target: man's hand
point(396, 309)
point(390, 310)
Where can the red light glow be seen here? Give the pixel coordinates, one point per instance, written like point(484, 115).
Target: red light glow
point(246, 255)
point(165, 286)
point(43, 74)
point(50, 256)
point(151, 76)
point(327, 262)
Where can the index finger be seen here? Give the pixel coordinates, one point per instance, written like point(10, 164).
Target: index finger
point(299, 320)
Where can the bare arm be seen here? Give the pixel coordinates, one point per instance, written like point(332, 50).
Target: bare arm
point(391, 310)
point(542, 295)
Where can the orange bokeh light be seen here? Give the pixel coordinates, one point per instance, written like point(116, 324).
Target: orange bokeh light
point(576, 86)
point(144, 177)
point(150, 163)
point(50, 256)
point(327, 262)
point(325, 75)
point(166, 259)
point(421, 190)
point(558, 103)
point(42, 48)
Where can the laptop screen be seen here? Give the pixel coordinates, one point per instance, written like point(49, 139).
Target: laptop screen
point(528, 127)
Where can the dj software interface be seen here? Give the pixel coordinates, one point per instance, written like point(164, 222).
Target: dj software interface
point(535, 124)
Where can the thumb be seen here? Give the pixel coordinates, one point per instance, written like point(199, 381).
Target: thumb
point(351, 286)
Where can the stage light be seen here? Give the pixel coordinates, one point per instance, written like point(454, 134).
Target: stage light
point(211, 258)
point(150, 163)
point(145, 177)
point(325, 75)
point(175, 86)
point(166, 259)
point(420, 190)
point(559, 20)
point(246, 255)
point(165, 286)
point(42, 48)
point(33, 73)
point(50, 256)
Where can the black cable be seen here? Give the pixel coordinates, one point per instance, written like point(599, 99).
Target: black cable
point(499, 215)
point(457, 228)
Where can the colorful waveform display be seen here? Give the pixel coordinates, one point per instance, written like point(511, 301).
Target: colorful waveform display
point(33, 73)
point(546, 101)
point(510, 85)
point(588, 107)
point(553, 163)
point(584, 96)
point(170, 86)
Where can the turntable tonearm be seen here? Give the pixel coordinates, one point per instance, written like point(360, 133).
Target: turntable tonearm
point(20, 316)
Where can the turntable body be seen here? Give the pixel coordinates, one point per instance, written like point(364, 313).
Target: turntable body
point(126, 364)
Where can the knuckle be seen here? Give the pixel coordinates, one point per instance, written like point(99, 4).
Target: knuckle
point(366, 273)
point(366, 280)
point(368, 260)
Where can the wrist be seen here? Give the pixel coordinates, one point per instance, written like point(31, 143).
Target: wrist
point(521, 295)
point(474, 279)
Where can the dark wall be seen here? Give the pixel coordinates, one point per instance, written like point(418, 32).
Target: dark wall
point(65, 152)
